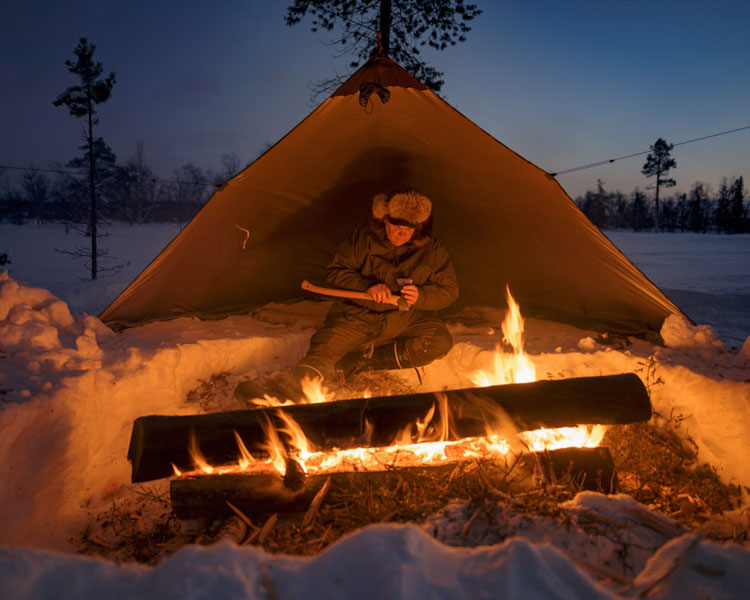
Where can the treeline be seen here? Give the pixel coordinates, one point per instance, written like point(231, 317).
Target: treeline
point(699, 210)
point(128, 191)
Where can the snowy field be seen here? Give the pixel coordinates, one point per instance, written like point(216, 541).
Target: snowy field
point(70, 389)
point(707, 276)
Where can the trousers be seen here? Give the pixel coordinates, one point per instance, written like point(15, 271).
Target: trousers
point(348, 328)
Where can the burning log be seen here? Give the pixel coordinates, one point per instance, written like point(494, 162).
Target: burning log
point(585, 468)
point(159, 442)
point(262, 494)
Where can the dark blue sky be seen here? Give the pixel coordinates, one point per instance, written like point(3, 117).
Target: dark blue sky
point(561, 83)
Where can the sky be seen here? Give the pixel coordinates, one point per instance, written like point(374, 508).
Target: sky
point(562, 84)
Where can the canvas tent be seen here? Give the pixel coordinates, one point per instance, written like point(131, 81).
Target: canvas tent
point(502, 219)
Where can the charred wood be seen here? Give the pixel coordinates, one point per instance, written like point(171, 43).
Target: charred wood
point(581, 468)
point(157, 441)
point(262, 494)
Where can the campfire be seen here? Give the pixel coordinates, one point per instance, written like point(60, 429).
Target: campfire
point(281, 454)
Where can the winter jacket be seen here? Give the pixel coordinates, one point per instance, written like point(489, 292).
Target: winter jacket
point(369, 258)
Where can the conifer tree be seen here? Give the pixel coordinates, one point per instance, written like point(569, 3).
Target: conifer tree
point(658, 163)
point(81, 101)
point(737, 206)
point(404, 26)
point(722, 214)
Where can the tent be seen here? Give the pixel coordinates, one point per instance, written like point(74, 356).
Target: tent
point(502, 219)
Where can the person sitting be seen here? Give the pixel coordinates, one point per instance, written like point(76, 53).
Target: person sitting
point(395, 252)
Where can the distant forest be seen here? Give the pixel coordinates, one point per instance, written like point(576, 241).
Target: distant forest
point(700, 210)
point(131, 193)
point(128, 192)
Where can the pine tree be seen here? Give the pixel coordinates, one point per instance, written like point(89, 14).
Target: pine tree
point(698, 209)
point(596, 205)
point(658, 163)
point(81, 101)
point(668, 217)
point(640, 212)
point(722, 214)
point(737, 213)
point(404, 27)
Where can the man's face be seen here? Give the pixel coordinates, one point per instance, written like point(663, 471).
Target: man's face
point(398, 234)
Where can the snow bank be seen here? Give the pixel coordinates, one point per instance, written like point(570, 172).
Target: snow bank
point(71, 390)
point(380, 561)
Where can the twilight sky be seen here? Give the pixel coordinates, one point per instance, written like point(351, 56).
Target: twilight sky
point(562, 83)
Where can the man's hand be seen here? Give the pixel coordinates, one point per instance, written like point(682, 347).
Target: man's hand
point(410, 293)
point(379, 292)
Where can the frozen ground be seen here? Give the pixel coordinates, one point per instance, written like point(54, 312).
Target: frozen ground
point(707, 276)
point(70, 389)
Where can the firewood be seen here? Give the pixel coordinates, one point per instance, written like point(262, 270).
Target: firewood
point(262, 494)
point(232, 529)
point(157, 442)
point(585, 468)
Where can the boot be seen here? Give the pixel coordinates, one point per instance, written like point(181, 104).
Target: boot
point(393, 355)
point(293, 387)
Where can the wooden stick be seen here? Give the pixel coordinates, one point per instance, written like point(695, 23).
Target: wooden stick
point(158, 441)
point(395, 299)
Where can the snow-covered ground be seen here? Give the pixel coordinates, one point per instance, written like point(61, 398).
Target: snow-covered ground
point(70, 389)
point(707, 276)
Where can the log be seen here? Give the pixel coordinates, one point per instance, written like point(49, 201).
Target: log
point(159, 441)
point(257, 495)
point(583, 468)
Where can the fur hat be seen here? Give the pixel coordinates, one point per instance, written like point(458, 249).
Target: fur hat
point(406, 207)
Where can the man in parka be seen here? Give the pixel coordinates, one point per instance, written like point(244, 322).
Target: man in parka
point(395, 253)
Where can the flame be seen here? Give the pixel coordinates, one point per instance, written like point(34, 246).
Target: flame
point(270, 401)
point(422, 443)
point(315, 391)
point(508, 368)
point(276, 450)
point(246, 459)
point(583, 436)
point(200, 461)
point(426, 441)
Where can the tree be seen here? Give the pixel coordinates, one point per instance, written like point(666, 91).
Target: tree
point(722, 213)
point(698, 208)
point(621, 211)
point(231, 164)
point(640, 212)
point(683, 212)
point(81, 101)
point(107, 176)
point(187, 193)
point(658, 163)
point(737, 206)
point(36, 188)
point(404, 26)
point(13, 207)
point(595, 205)
point(668, 218)
point(137, 189)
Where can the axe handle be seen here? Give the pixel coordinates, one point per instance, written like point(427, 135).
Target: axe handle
point(316, 289)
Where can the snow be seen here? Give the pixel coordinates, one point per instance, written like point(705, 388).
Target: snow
point(70, 389)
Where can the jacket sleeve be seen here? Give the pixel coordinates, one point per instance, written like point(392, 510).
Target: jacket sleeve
point(344, 270)
point(441, 288)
